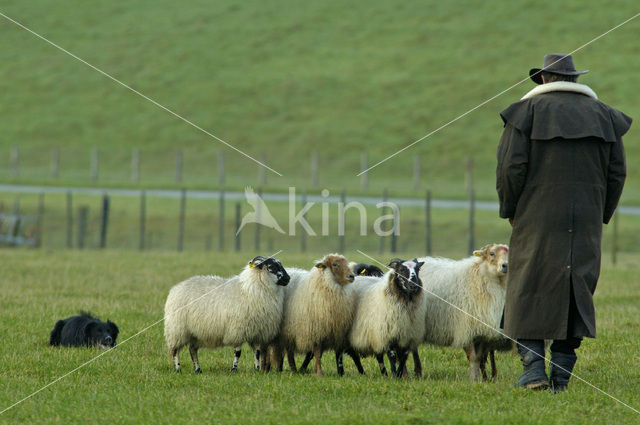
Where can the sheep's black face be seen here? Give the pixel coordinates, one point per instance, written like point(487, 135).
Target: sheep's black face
point(407, 278)
point(101, 334)
point(367, 270)
point(275, 267)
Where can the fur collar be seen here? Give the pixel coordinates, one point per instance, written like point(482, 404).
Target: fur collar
point(560, 86)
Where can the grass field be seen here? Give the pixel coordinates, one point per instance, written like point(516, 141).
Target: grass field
point(282, 80)
point(287, 78)
point(135, 383)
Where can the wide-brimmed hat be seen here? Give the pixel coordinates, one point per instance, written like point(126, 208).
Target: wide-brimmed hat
point(555, 63)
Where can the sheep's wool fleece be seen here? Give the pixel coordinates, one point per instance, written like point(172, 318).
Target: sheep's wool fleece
point(382, 319)
point(229, 311)
point(469, 284)
point(319, 312)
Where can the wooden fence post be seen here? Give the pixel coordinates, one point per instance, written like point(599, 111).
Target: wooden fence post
point(95, 164)
point(104, 221)
point(416, 172)
point(221, 222)
point(83, 214)
point(143, 217)
point(69, 220)
point(183, 207)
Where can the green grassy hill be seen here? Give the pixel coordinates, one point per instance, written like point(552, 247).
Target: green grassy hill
point(287, 78)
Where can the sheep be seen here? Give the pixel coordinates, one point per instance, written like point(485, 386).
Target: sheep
point(211, 311)
point(476, 286)
point(318, 312)
point(487, 349)
point(390, 314)
point(362, 269)
point(359, 270)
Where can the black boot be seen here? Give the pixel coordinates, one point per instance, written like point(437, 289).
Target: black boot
point(561, 368)
point(533, 376)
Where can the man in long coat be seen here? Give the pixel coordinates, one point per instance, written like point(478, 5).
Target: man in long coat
point(561, 169)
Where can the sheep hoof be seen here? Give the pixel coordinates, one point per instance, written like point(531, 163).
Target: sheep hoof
point(198, 370)
point(234, 369)
point(177, 369)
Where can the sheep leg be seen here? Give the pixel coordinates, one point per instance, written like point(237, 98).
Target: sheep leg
point(277, 359)
point(482, 350)
point(380, 359)
point(256, 359)
point(356, 360)
point(483, 365)
point(417, 364)
point(174, 353)
point(305, 362)
point(339, 363)
point(237, 352)
point(291, 358)
point(401, 372)
point(317, 353)
point(193, 350)
point(472, 356)
point(263, 358)
point(494, 371)
point(392, 361)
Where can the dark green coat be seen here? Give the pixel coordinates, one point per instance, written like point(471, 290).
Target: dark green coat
point(561, 169)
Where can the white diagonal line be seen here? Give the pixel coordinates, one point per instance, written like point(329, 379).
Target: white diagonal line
point(508, 337)
point(140, 94)
point(113, 348)
point(490, 99)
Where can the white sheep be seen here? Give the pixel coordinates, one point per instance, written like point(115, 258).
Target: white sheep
point(318, 312)
point(389, 314)
point(476, 286)
point(360, 271)
point(212, 311)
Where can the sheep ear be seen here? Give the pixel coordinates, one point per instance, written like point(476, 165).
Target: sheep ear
point(320, 266)
point(477, 253)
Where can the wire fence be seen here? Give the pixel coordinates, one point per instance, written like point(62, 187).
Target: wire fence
point(183, 220)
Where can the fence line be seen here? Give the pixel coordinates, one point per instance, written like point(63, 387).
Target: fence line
point(77, 221)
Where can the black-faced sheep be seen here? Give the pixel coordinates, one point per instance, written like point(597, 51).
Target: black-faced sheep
point(389, 314)
point(319, 311)
point(476, 286)
point(362, 269)
point(212, 311)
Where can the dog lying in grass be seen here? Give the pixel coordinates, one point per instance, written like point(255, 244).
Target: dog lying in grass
point(84, 330)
